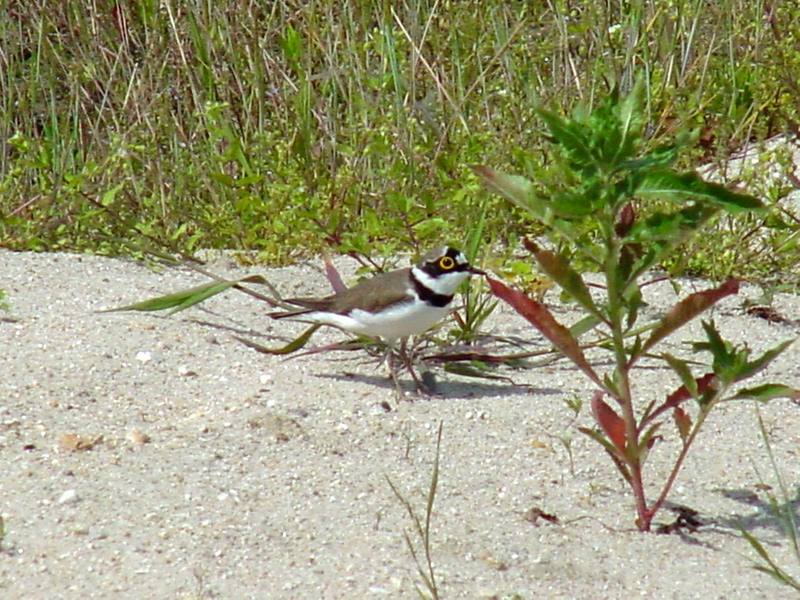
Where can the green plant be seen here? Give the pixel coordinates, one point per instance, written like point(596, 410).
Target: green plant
point(604, 172)
point(293, 128)
point(783, 510)
point(423, 559)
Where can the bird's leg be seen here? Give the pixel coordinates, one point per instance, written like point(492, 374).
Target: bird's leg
point(389, 357)
point(408, 360)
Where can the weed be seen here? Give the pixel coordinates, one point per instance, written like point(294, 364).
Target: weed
point(421, 550)
point(604, 170)
point(783, 510)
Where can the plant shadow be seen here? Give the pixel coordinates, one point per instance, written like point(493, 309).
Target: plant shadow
point(767, 515)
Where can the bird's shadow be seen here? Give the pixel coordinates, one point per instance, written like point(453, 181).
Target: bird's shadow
point(450, 389)
point(238, 329)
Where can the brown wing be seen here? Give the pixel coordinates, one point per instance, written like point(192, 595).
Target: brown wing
point(367, 295)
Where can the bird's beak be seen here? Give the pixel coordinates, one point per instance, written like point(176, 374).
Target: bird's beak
point(476, 271)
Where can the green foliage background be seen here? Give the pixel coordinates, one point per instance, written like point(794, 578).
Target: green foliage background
point(289, 127)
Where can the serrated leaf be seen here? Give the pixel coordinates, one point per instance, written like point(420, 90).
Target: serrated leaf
point(676, 187)
point(753, 367)
point(667, 227)
point(767, 392)
point(687, 309)
point(540, 317)
point(292, 346)
point(569, 135)
point(183, 299)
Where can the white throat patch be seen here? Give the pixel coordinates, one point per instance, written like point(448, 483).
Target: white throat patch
point(445, 284)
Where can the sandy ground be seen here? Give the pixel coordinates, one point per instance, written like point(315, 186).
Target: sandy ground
point(266, 478)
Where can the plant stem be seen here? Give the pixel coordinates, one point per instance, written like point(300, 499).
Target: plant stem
point(632, 452)
point(701, 417)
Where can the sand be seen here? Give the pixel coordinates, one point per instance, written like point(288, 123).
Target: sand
point(152, 457)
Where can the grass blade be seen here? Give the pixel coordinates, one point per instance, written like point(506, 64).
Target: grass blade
point(183, 299)
point(292, 346)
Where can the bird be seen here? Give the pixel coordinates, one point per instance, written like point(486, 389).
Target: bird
point(392, 305)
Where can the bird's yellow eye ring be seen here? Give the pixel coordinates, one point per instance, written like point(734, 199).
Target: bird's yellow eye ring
point(446, 263)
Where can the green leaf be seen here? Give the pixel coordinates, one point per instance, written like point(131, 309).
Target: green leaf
point(772, 569)
point(633, 301)
point(767, 392)
point(684, 372)
point(107, 199)
point(751, 368)
point(559, 270)
point(675, 187)
point(586, 324)
point(474, 370)
point(728, 360)
point(575, 204)
point(647, 441)
point(183, 299)
point(631, 120)
point(570, 136)
point(515, 188)
point(666, 227)
point(520, 192)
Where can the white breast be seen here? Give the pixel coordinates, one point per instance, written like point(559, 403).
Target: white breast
point(407, 318)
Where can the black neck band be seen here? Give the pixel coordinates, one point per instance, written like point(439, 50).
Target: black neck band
point(428, 295)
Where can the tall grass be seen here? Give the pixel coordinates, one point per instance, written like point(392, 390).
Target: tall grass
point(284, 127)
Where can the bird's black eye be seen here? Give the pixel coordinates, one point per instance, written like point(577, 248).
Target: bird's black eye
point(446, 263)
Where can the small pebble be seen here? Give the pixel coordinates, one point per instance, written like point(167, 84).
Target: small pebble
point(68, 497)
point(137, 437)
point(144, 357)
